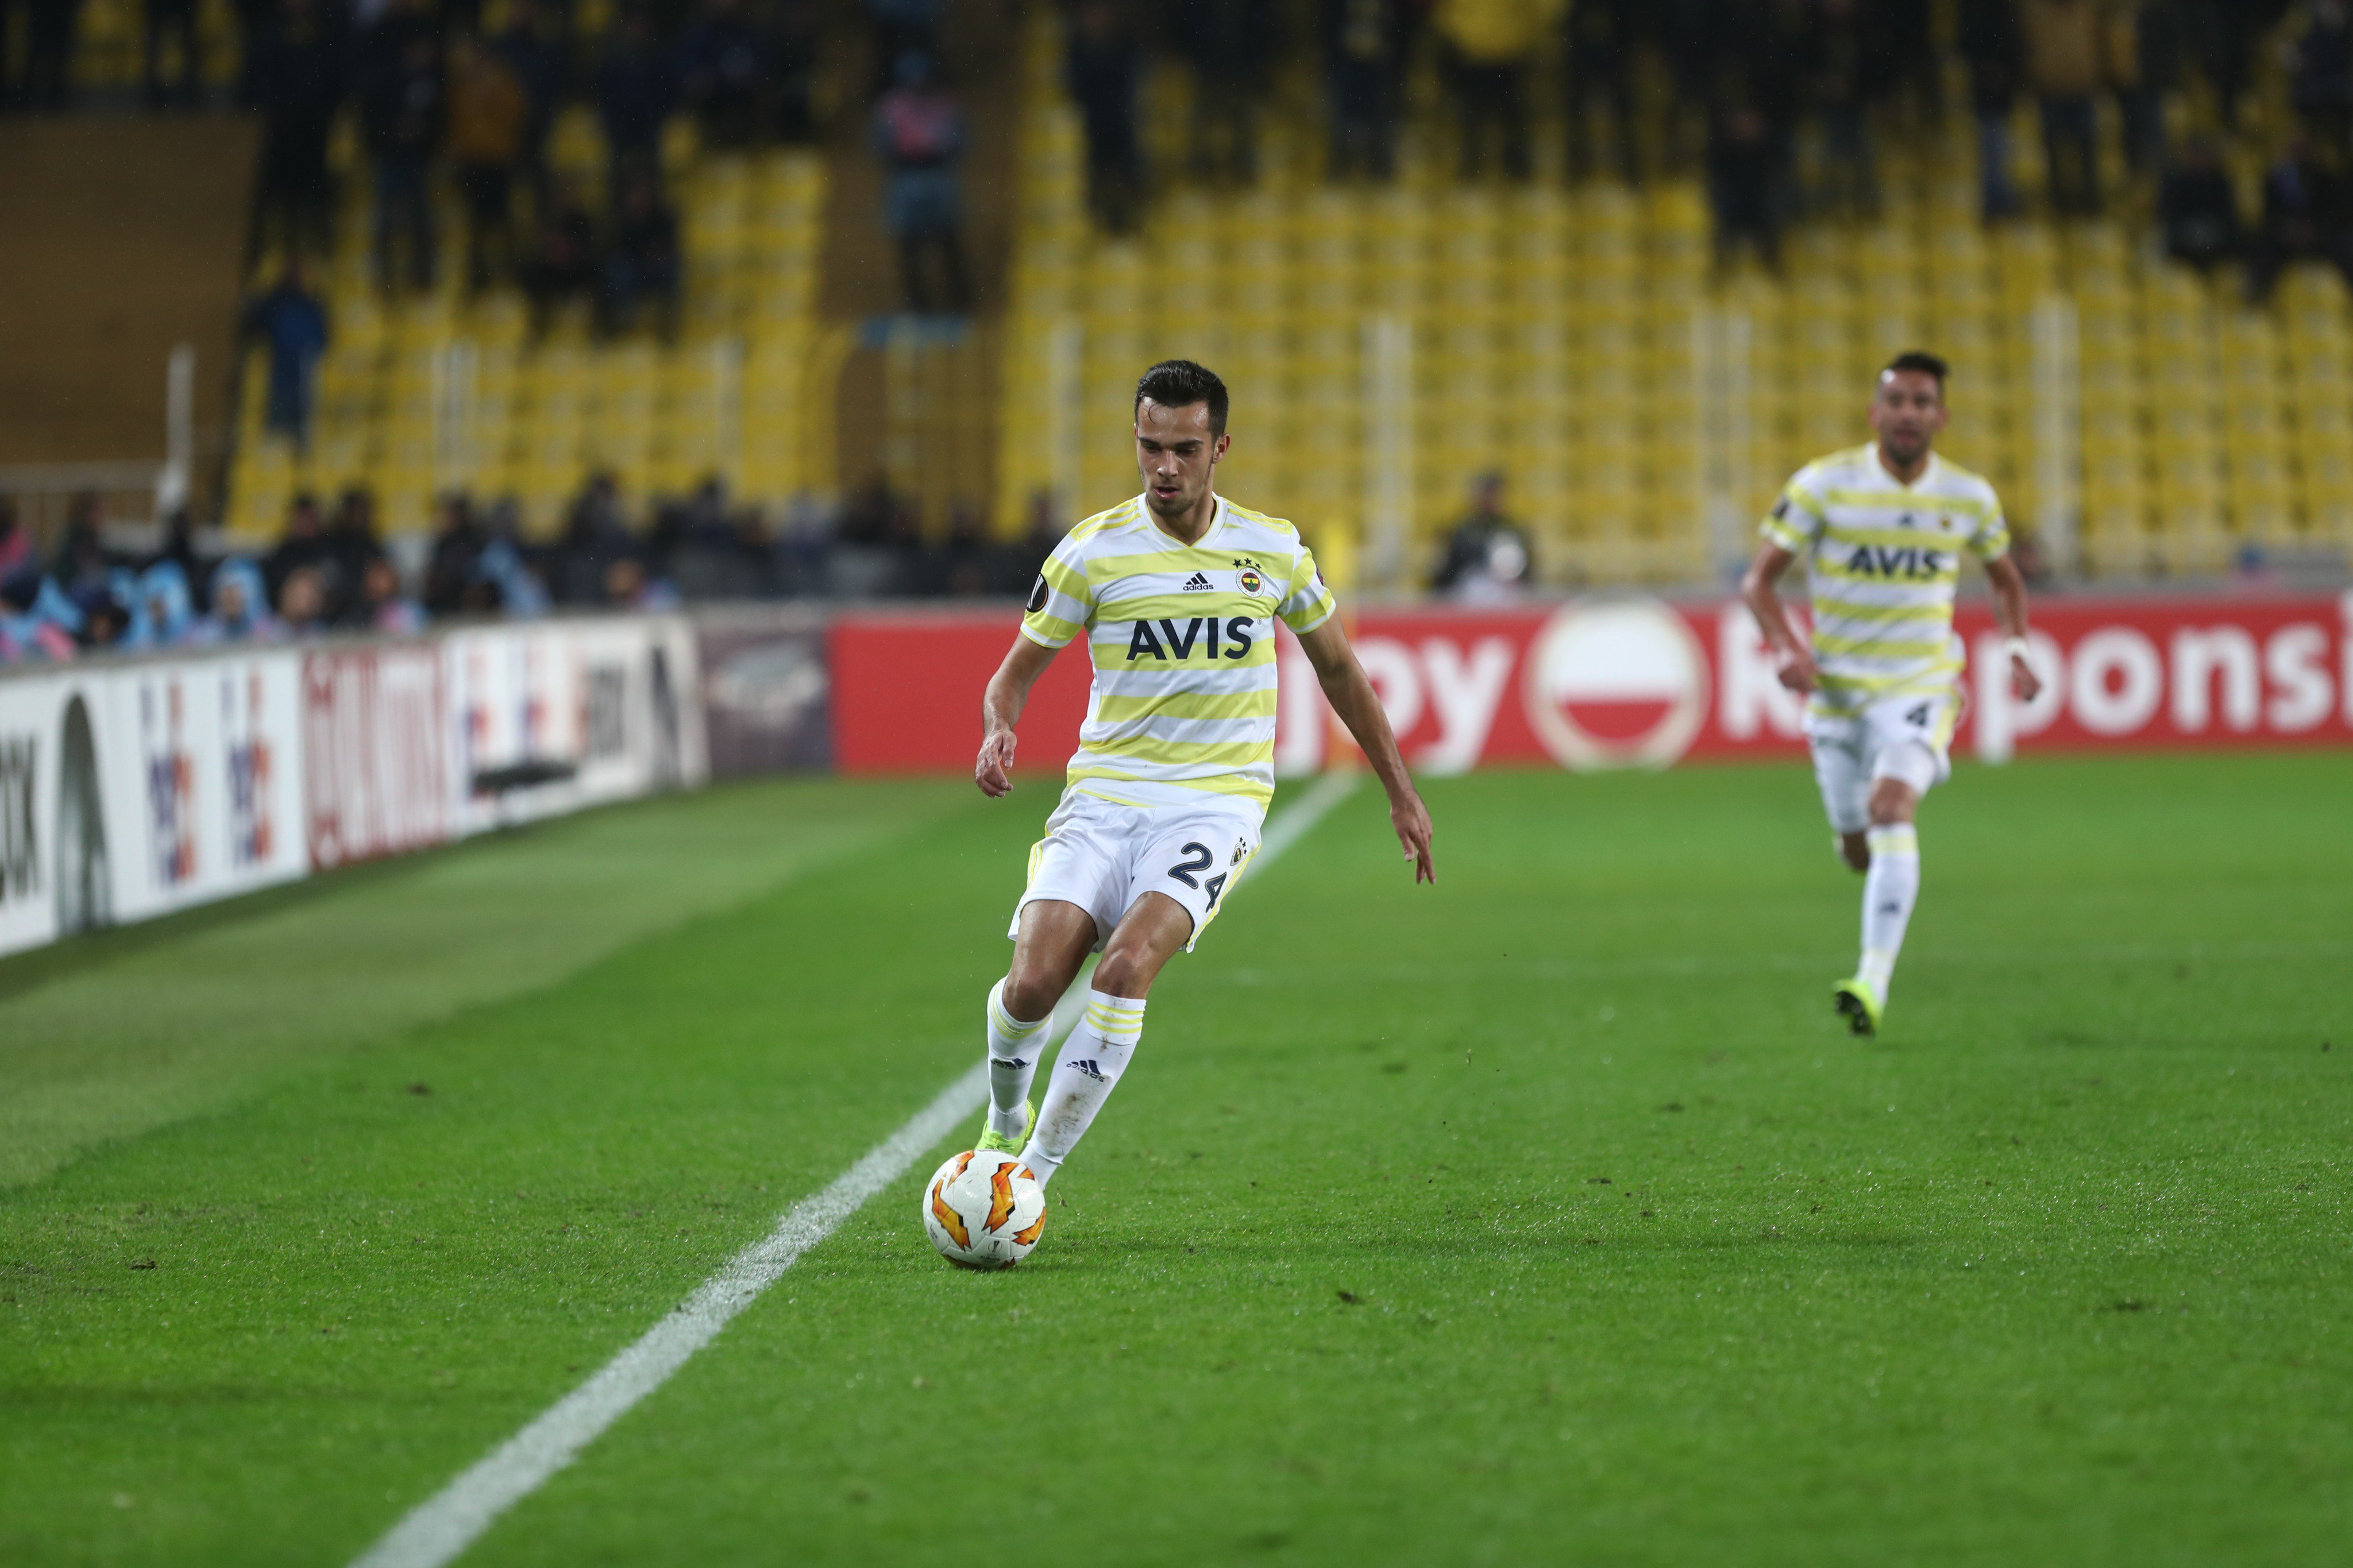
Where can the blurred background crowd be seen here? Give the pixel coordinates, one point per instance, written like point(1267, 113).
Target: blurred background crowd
point(1782, 111)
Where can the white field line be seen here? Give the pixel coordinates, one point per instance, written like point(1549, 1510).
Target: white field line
point(435, 1531)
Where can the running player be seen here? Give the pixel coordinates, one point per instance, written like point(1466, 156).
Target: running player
point(1176, 592)
point(1882, 527)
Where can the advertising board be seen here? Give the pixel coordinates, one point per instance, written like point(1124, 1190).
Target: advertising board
point(1634, 681)
point(131, 790)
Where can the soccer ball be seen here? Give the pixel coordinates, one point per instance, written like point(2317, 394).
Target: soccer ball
point(984, 1210)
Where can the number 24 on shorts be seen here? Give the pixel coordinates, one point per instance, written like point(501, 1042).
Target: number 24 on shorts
point(1197, 857)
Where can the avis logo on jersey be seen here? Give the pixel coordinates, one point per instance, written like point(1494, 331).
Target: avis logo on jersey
point(1910, 560)
point(1228, 638)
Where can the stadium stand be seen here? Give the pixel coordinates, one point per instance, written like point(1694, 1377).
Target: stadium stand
point(436, 391)
point(1395, 341)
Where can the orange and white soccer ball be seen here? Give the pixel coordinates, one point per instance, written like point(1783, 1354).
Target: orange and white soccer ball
point(984, 1210)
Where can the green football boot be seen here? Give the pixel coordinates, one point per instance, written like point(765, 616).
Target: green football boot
point(1858, 1002)
point(992, 1139)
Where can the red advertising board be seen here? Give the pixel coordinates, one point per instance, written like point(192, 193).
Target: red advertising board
point(375, 721)
point(1629, 681)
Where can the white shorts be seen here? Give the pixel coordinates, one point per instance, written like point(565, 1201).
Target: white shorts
point(1103, 857)
point(1902, 738)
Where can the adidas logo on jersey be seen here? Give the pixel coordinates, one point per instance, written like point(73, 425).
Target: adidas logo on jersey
point(1197, 584)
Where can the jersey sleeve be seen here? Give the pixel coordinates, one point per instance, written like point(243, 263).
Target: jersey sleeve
point(1797, 519)
point(1309, 604)
point(1990, 539)
point(1063, 604)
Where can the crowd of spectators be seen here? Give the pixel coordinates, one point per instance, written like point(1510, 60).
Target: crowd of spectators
point(331, 573)
point(1780, 105)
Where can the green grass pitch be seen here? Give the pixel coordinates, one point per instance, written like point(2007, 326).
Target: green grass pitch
point(1545, 1217)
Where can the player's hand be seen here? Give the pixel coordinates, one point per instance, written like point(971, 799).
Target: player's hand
point(1411, 820)
point(2024, 684)
point(994, 771)
point(1795, 669)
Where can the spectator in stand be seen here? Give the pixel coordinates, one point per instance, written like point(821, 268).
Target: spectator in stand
point(1994, 46)
point(1487, 559)
point(177, 20)
point(920, 131)
point(352, 542)
point(594, 536)
point(293, 322)
point(562, 262)
point(628, 586)
point(105, 622)
point(488, 112)
point(1599, 38)
point(2146, 66)
point(303, 544)
point(2320, 65)
point(2198, 208)
point(641, 266)
point(722, 71)
point(1904, 51)
point(295, 73)
point(302, 604)
point(635, 94)
point(902, 27)
point(2221, 35)
point(2307, 217)
point(456, 549)
point(507, 566)
point(1744, 183)
point(402, 111)
point(1845, 80)
point(15, 542)
point(541, 65)
point(2064, 65)
point(1100, 65)
point(383, 608)
point(1364, 77)
point(793, 48)
point(166, 612)
point(82, 560)
point(1226, 43)
point(1490, 47)
point(241, 609)
point(29, 630)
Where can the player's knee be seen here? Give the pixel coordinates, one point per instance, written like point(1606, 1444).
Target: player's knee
point(1027, 994)
point(1125, 971)
point(1892, 802)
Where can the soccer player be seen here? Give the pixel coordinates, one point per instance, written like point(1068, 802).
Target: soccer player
point(1177, 593)
point(1882, 527)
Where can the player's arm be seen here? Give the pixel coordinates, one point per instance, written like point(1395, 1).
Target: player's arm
point(2009, 615)
point(1759, 585)
point(1000, 710)
point(1352, 697)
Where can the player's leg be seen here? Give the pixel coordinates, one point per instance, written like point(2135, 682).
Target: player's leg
point(1088, 1064)
point(1843, 776)
point(1051, 937)
point(1907, 738)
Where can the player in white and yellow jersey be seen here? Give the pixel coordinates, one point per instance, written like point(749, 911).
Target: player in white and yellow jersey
point(1177, 593)
point(1881, 529)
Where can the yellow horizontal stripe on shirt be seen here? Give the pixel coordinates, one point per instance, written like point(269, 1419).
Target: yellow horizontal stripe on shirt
point(1179, 607)
point(1214, 783)
point(1064, 579)
point(1892, 536)
point(1878, 647)
point(1272, 565)
point(1910, 500)
point(1186, 754)
point(1258, 704)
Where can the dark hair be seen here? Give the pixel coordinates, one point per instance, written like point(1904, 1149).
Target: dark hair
point(1925, 362)
point(1178, 384)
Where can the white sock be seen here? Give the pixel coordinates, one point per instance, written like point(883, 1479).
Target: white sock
point(1889, 890)
point(1085, 1072)
point(1012, 1062)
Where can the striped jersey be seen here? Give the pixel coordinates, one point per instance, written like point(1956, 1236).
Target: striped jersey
point(1883, 559)
point(1183, 642)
